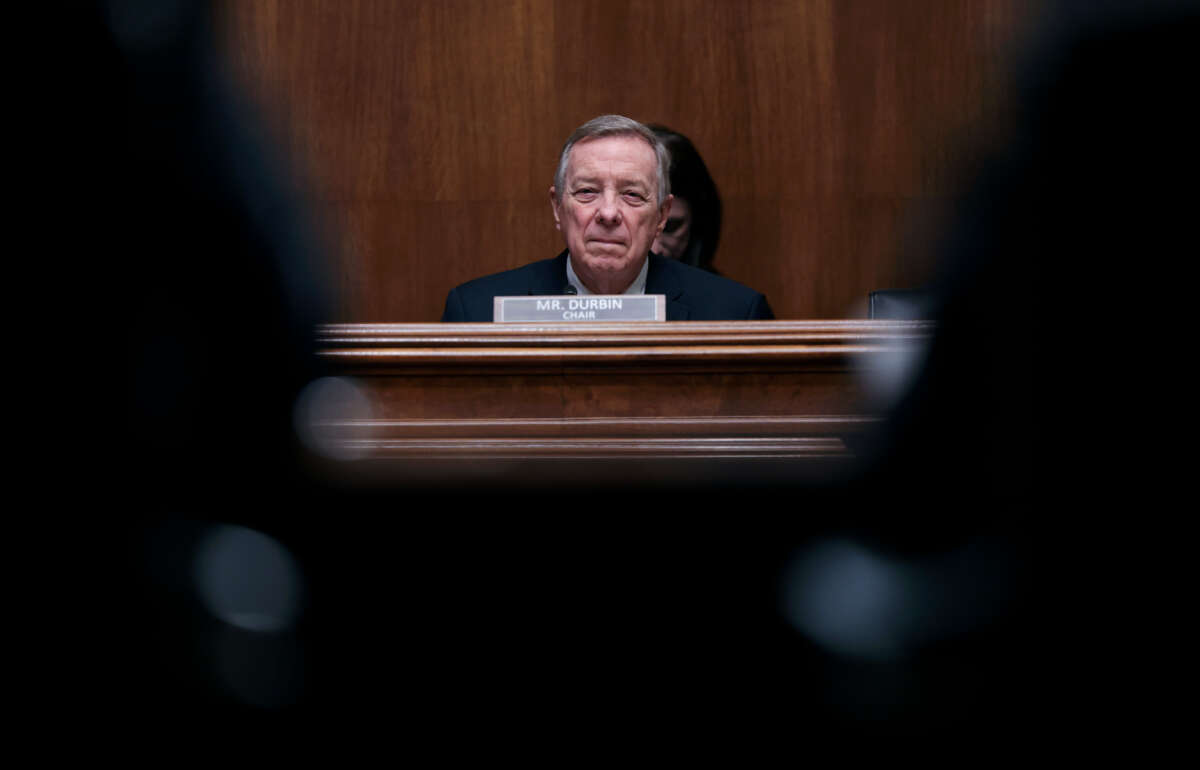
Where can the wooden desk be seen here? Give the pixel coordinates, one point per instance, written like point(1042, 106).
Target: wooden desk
point(492, 400)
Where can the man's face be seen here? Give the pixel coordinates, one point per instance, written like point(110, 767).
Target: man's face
point(608, 213)
point(673, 239)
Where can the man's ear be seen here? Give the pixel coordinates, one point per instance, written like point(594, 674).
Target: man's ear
point(663, 212)
point(554, 207)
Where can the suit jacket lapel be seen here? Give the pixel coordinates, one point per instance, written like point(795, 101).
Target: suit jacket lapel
point(659, 280)
point(552, 279)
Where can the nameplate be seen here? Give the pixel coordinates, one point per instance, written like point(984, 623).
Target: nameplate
point(565, 307)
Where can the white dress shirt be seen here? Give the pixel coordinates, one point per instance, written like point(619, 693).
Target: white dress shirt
point(637, 287)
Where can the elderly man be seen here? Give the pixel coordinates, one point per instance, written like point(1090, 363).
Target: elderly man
point(610, 198)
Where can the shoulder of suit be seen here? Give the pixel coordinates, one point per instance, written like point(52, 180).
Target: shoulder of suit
point(699, 279)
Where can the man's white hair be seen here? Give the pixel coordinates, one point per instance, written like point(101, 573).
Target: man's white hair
point(616, 125)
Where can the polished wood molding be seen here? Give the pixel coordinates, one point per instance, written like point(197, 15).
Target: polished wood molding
point(422, 347)
point(601, 427)
point(740, 447)
point(509, 398)
point(611, 438)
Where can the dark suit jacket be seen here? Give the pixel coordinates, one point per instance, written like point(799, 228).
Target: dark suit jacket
point(692, 294)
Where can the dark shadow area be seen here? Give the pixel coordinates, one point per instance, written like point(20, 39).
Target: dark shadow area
point(223, 582)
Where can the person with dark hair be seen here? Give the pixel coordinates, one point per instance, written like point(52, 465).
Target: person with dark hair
point(694, 223)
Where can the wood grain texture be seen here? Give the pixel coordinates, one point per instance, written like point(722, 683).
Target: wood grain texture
point(503, 393)
point(502, 449)
point(674, 348)
point(425, 132)
point(605, 427)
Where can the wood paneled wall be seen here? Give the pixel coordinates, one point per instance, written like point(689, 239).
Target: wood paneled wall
point(424, 133)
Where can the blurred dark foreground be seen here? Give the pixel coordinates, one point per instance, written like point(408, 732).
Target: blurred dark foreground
point(224, 583)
